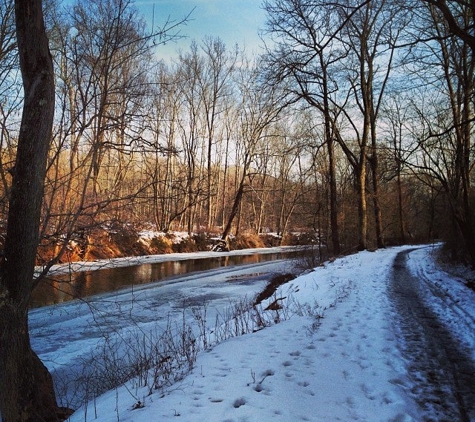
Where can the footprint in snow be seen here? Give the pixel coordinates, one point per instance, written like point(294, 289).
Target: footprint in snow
point(258, 388)
point(268, 373)
point(239, 402)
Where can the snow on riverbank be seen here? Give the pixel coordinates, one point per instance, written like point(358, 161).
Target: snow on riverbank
point(335, 359)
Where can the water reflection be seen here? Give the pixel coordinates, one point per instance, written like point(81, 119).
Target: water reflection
point(66, 287)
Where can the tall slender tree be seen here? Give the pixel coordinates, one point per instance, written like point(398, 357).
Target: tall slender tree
point(26, 387)
point(214, 85)
point(258, 110)
point(369, 35)
point(302, 58)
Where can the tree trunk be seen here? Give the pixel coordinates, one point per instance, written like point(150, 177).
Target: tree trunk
point(402, 225)
point(26, 387)
point(335, 232)
point(235, 208)
point(30, 395)
point(378, 220)
point(362, 217)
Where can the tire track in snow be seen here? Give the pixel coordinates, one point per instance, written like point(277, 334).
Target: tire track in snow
point(442, 375)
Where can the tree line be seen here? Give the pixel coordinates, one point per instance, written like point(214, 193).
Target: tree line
point(355, 124)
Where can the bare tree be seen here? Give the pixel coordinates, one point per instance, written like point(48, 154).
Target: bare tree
point(104, 91)
point(162, 167)
point(258, 108)
point(292, 191)
point(214, 82)
point(445, 113)
point(338, 56)
point(370, 35)
point(26, 387)
point(109, 50)
point(304, 55)
point(189, 70)
point(396, 114)
point(10, 97)
point(453, 12)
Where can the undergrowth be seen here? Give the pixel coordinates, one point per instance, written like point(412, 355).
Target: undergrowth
point(149, 360)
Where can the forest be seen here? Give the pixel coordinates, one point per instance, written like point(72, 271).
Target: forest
point(354, 126)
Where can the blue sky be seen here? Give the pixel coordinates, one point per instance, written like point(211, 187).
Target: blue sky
point(234, 21)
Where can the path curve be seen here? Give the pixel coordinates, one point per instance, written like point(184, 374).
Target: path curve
point(441, 371)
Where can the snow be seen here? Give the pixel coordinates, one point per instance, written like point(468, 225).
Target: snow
point(334, 355)
point(451, 301)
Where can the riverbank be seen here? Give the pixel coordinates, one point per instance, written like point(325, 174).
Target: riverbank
point(123, 241)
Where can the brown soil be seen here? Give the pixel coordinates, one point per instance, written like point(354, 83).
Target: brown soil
point(120, 241)
point(271, 288)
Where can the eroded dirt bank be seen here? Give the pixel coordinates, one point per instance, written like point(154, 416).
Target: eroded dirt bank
point(118, 241)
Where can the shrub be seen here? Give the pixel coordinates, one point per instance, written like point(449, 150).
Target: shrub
point(185, 245)
point(161, 245)
point(158, 357)
point(246, 241)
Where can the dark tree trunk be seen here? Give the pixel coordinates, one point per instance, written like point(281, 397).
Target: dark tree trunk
point(362, 206)
point(378, 221)
point(26, 387)
point(335, 234)
point(402, 225)
point(235, 208)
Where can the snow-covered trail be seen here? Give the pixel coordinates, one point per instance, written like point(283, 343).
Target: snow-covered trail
point(439, 364)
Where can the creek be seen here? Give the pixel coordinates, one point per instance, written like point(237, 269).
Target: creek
point(80, 284)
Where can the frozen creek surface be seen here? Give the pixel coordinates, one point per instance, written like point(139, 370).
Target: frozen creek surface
point(67, 335)
point(369, 338)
